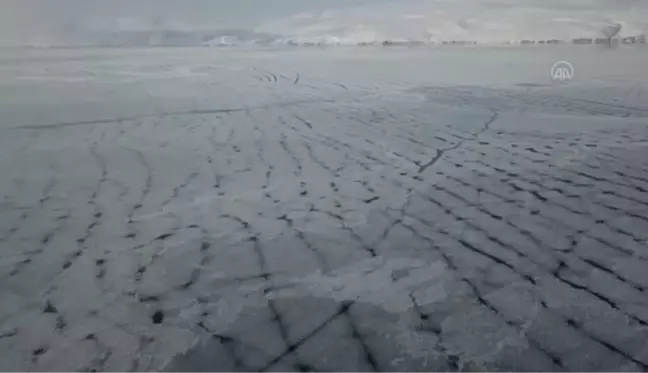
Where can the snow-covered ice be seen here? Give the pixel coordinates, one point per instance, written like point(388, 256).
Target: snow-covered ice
point(323, 209)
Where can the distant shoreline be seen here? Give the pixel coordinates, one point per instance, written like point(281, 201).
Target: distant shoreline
point(582, 41)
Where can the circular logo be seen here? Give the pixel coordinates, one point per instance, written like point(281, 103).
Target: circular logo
point(562, 71)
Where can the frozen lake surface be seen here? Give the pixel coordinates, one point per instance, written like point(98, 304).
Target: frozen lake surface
point(336, 209)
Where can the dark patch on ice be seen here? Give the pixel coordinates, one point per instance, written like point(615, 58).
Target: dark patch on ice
point(157, 317)
point(372, 199)
point(49, 308)
point(163, 237)
point(532, 85)
point(149, 298)
point(39, 351)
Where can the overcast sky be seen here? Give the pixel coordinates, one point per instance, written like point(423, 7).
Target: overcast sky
point(29, 19)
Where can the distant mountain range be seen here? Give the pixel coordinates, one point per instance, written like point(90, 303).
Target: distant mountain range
point(242, 37)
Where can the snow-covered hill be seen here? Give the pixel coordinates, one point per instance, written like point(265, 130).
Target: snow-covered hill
point(469, 20)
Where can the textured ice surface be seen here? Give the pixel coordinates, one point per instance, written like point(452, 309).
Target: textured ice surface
point(337, 209)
